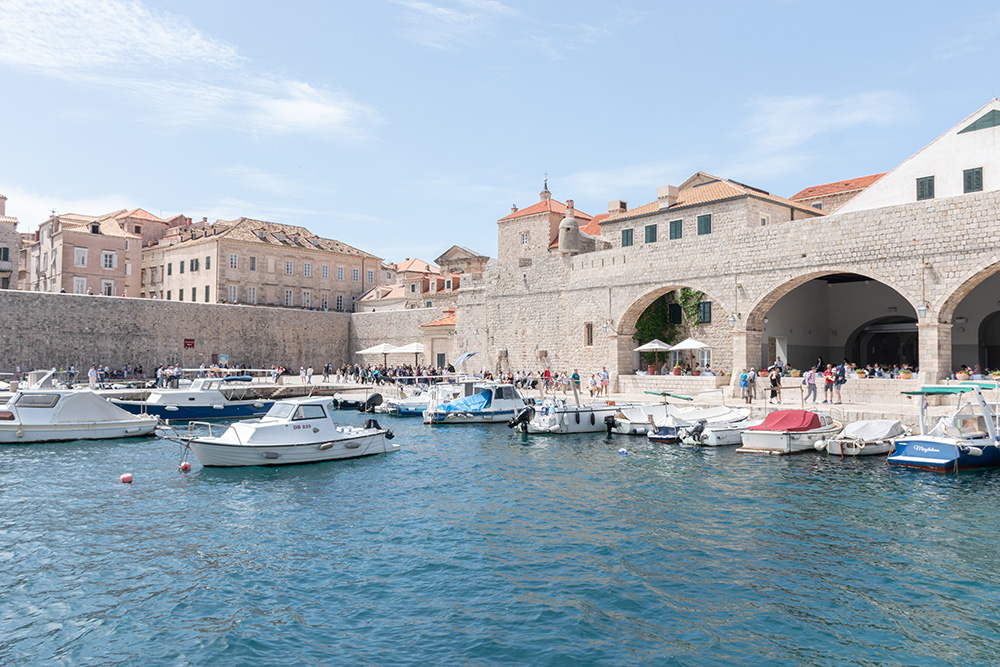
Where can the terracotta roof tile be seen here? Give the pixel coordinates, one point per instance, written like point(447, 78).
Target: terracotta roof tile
point(417, 265)
point(446, 321)
point(139, 214)
point(546, 205)
point(849, 185)
point(277, 234)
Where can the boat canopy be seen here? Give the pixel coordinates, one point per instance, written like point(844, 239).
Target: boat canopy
point(238, 378)
point(474, 403)
point(874, 429)
point(789, 420)
point(941, 389)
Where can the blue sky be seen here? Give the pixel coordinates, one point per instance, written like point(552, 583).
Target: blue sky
point(404, 126)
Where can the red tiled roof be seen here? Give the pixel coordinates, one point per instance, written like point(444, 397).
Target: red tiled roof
point(139, 214)
point(546, 205)
point(849, 185)
point(592, 228)
point(417, 265)
point(446, 321)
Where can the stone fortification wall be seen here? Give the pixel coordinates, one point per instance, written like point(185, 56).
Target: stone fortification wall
point(40, 330)
point(396, 327)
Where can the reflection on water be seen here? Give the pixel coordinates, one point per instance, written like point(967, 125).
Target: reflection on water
point(476, 544)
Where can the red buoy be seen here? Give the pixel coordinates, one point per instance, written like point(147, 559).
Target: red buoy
point(127, 478)
point(185, 466)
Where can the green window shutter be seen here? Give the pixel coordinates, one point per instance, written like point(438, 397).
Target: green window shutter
point(925, 188)
point(650, 233)
point(704, 224)
point(674, 313)
point(705, 312)
point(676, 228)
point(626, 237)
point(973, 179)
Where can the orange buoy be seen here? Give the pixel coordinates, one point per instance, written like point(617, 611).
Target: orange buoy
point(185, 466)
point(127, 478)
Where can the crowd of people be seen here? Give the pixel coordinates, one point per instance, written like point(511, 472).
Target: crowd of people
point(832, 377)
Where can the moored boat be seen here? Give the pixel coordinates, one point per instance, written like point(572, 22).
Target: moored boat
point(788, 432)
point(559, 416)
point(294, 431)
point(482, 403)
point(964, 440)
point(204, 398)
point(868, 437)
point(44, 413)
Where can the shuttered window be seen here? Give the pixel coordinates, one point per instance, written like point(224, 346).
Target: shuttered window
point(626, 238)
point(704, 224)
point(674, 313)
point(705, 312)
point(925, 188)
point(676, 229)
point(973, 179)
point(650, 233)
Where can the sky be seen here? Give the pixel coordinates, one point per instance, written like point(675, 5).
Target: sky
point(403, 127)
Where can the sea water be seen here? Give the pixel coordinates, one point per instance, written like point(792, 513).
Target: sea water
point(477, 545)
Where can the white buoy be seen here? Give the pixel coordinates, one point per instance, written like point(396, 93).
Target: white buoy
point(623, 451)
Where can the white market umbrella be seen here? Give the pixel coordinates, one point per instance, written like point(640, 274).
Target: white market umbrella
point(654, 346)
point(412, 348)
point(382, 348)
point(689, 344)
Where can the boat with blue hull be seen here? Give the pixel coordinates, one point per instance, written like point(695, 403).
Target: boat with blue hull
point(205, 398)
point(964, 440)
point(481, 403)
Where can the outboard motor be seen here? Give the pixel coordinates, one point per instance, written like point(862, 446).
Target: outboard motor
point(526, 414)
point(371, 422)
point(610, 423)
point(696, 430)
point(373, 402)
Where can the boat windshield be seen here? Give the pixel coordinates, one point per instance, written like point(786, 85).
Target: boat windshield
point(37, 400)
point(280, 411)
point(309, 412)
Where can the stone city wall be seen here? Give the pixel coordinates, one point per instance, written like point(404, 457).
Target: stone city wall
point(40, 330)
point(396, 327)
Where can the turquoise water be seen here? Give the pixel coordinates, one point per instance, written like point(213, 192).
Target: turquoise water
point(475, 545)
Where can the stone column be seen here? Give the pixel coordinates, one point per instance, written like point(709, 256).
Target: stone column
point(746, 353)
point(934, 347)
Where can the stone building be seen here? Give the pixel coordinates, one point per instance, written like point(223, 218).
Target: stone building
point(82, 254)
point(420, 284)
point(259, 263)
point(10, 247)
point(831, 196)
point(906, 271)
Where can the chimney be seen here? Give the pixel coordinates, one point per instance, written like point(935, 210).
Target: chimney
point(513, 208)
point(617, 206)
point(3, 205)
point(667, 196)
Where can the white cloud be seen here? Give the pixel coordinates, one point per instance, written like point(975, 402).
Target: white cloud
point(783, 123)
point(179, 75)
point(31, 209)
point(440, 27)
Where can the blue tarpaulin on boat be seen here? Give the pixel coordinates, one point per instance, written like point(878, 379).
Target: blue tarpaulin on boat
point(475, 403)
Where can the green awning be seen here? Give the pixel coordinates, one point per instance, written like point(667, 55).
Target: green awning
point(948, 389)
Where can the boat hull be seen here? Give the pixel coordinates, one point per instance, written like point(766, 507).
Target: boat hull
point(850, 448)
point(944, 454)
point(232, 410)
point(15, 434)
point(214, 454)
point(783, 443)
point(492, 417)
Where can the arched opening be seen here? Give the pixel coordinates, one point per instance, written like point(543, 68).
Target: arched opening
point(830, 317)
point(671, 314)
point(975, 331)
point(989, 341)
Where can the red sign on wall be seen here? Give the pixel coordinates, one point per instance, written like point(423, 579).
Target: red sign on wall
point(188, 343)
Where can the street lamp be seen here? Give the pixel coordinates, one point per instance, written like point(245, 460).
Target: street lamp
point(922, 309)
point(731, 320)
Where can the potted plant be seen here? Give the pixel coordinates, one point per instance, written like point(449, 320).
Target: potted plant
point(862, 374)
point(961, 375)
point(794, 372)
point(905, 375)
point(677, 369)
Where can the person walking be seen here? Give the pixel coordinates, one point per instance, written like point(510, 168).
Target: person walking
point(744, 386)
point(810, 382)
point(605, 380)
point(752, 385)
point(92, 377)
point(302, 374)
point(775, 377)
point(309, 375)
point(828, 378)
point(839, 380)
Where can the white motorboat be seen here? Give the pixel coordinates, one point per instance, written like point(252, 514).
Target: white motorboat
point(868, 437)
point(718, 434)
point(204, 398)
point(558, 416)
point(481, 403)
point(690, 425)
point(413, 405)
point(44, 413)
point(789, 432)
point(294, 430)
point(639, 419)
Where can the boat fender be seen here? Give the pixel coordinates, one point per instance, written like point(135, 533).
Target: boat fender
point(819, 445)
point(184, 466)
point(258, 404)
point(216, 407)
point(971, 451)
point(325, 446)
point(315, 430)
point(171, 408)
point(272, 455)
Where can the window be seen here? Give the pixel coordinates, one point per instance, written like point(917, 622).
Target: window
point(340, 273)
point(180, 295)
point(925, 188)
point(676, 228)
point(289, 267)
point(95, 228)
point(233, 295)
point(208, 263)
point(234, 261)
point(128, 268)
point(705, 358)
point(168, 295)
point(170, 269)
point(324, 301)
point(588, 334)
point(704, 224)
point(108, 287)
point(972, 180)
point(109, 259)
point(138, 229)
point(79, 257)
point(626, 238)
point(705, 312)
point(288, 297)
point(340, 302)
point(818, 205)
point(447, 284)
point(427, 304)
point(764, 220)
point(650, 233)
point(307, 269)
point(524, 238)
point(251, 295)
point(413, 287)
point(252, 263)
point(307, 299)
point(355, 275)
point(206, 293)
point(180, 266)
point(194, 265)
point(325, 271)
point(674, 314)
point(79, 285)
point(371, 277)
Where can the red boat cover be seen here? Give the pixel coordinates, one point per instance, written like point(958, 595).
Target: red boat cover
point(788, 420)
